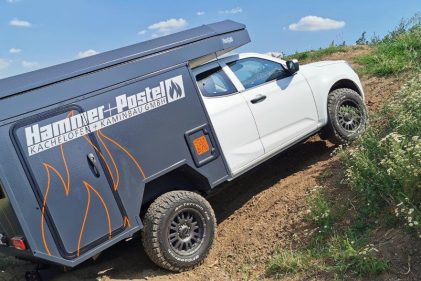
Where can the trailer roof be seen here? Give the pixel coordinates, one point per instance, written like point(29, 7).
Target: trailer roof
point(39, 78)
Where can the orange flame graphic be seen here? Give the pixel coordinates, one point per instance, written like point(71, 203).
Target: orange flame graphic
point(66, 183)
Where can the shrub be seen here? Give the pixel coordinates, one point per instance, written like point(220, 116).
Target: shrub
point(385, 167)
point(353, 256)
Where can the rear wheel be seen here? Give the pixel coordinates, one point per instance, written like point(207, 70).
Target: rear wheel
point(347, 116)
point(179, 229)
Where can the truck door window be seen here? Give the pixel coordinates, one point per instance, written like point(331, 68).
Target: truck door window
point(255, 71)
point(214, 83)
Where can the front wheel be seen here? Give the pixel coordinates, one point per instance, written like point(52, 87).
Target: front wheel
point(347, 116)
point(179, 229)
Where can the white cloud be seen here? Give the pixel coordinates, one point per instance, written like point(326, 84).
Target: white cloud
point(168, 26)
point(15, 51)
point(4, 64)
point(19, 23)
point(29, 64)
point(142, 32)
point(13, 1)
point(200, 13)
point(87, 53)
point(232, 11)
point(314, 23)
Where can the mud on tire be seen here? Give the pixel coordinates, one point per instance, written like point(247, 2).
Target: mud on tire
point(347, 116)
point(179, 230)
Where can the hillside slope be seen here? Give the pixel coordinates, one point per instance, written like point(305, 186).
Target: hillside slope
point(265, 210)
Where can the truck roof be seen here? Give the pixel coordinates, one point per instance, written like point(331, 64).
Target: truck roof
point(43, 77)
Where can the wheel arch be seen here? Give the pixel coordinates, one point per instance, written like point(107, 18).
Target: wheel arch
point(346, 83)
point(334, 84)
point(183, 178)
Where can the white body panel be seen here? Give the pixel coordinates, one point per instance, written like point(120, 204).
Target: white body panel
point(293, 108)
point(287, 112)
point(235, 128)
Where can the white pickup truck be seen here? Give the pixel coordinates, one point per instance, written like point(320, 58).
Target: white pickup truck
point(260, 105)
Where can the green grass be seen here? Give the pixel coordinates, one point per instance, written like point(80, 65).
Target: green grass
point(398, 52)
point(6, 262)
point(317, 54)
point(339, 253)
point(321, 214)
point(339, 256)
point(383, 169)
point(351, 255)
point(289, 261)
point(385, 166)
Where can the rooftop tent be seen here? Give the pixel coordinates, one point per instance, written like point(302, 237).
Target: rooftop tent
point(199, 42)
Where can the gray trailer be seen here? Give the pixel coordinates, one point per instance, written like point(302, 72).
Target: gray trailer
point(95, 150)
point(87, 145)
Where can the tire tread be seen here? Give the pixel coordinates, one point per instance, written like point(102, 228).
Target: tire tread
point(156, 211)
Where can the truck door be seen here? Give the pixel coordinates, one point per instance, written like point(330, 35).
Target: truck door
point(77, 202)
point(282, 105)
point(231, 117)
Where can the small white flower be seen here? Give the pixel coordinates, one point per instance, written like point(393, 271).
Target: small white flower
point(415, 223)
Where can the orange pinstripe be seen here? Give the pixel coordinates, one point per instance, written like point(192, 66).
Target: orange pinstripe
point(47, 189)
point(103, 204)
point(126, 222)
point(112, 160)
point(82, 229)
point(125, 151)
point(67, 170)
point(88, 187)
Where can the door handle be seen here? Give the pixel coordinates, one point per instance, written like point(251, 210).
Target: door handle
point(92, 161)
point(258, 99)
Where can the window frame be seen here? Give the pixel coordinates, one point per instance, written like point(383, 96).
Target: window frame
point(259, 58)
point(200, 70)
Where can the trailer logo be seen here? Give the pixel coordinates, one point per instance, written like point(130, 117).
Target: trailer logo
point(76, 125)
point(227, 40)
point(175, 88)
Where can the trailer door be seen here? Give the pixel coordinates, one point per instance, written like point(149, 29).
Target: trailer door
point(77, 202)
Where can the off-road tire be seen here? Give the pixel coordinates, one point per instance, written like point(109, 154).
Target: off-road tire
point(162, 214)
point(336, 132)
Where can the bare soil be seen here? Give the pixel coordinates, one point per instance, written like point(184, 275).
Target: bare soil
point(263, 210)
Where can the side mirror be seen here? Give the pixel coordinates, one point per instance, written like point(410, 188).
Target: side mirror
point(293, 66)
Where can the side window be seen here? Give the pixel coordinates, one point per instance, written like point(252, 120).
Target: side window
point(214, 83)
point(255, 71)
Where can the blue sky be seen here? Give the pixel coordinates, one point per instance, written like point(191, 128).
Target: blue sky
point(40, 33)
